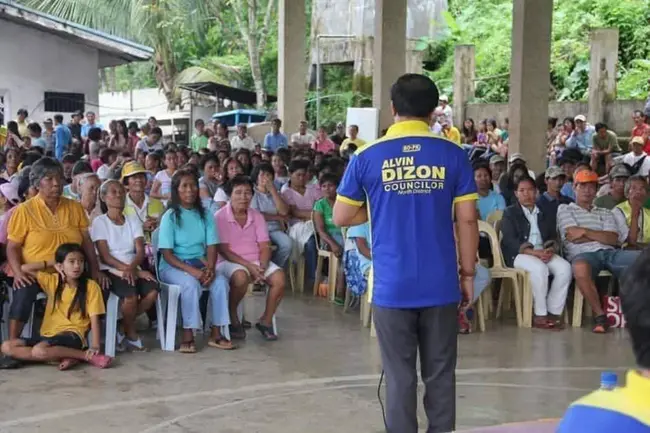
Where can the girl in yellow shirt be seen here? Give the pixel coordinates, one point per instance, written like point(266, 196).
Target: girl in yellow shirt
point(74, 306)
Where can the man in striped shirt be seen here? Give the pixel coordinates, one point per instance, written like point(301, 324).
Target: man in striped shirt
point(590, 239)
point(625, 409)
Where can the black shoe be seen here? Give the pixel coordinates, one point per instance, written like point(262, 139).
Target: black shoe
point(7, 363)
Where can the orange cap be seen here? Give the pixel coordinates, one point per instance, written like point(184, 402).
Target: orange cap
point(585, 176)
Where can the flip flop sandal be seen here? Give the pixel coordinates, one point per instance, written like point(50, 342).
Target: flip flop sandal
point(266, 331)
point(548, 325)
point(187, 347)
point(237, 332)
point(134, 345)
point(8, 363)
point(221, 343)
point(246, 324)
point(99, 360)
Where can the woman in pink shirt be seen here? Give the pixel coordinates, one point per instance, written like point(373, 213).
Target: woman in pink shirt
point(245, 256)
point(323, 142)
point(301, 198)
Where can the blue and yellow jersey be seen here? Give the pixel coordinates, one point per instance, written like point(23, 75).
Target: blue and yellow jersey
point(625, 409)
point(410, 179)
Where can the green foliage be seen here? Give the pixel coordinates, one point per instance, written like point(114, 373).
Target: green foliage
point(488, 25)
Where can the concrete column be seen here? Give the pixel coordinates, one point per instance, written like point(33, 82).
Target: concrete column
point(389, 54)
point(464, 75)
point(602, 72)
point(530, 79)
point(292, 65)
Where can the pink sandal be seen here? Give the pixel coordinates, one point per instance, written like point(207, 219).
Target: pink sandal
point(99, 360)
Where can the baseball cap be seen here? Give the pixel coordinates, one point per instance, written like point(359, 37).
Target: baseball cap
point(517, 156)
point(619, 170)
point(585, 176)
point(132, 168)
point(553, 172)
point(10, 191)
point(495, 159)
point(47, 121)
point(444, 98)
point(637, 140)
point(580, 117)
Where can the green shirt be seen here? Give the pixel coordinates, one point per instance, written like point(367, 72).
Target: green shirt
point(609, 142)
point(607, 201)
point(323, 207)
point(198, 142)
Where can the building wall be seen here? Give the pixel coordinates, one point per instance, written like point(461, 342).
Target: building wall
point(34, 62)
point(618, 114)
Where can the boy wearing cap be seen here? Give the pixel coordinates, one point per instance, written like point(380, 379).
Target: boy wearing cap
point(581, 136)
point(552, 198)
point(627, 408)
point(616, 191)
point(590, 238)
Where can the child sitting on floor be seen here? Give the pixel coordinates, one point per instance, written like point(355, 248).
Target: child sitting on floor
point(74, 305)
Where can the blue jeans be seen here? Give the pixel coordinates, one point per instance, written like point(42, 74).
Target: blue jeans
point(283, 244)
point(614, 261)
point(311, 255)
point(191, 290)
point(481, 280)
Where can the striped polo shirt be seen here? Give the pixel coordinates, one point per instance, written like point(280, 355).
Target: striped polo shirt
point(598, 218)
point(410, 180)
point(625, 409)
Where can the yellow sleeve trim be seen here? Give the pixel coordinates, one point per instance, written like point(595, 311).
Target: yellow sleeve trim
point(466, 197)
point(349, 201)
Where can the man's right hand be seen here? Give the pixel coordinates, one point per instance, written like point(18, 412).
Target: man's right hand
point(22, 279)
point(467, 291)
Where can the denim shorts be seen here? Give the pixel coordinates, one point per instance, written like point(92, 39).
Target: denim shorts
point(614, 261)
point(64, 339)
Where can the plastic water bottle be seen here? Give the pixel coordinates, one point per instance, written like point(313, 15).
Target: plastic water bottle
point(608, 380)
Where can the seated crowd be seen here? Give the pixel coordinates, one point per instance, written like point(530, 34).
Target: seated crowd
point(84, 212)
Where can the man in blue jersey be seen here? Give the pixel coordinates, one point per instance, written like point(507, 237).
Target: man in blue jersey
point(408, 185)
point(625, 409)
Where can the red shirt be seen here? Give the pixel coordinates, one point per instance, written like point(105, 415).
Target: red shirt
point(643, 131)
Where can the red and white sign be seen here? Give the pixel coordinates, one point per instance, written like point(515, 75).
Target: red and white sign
point(614, 311)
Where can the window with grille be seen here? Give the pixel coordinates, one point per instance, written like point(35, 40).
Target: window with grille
point(59, 102)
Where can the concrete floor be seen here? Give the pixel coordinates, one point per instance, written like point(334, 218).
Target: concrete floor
point(321, 376)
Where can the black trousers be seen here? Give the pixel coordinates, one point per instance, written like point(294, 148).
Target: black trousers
point(434, 332)
point(23, 300)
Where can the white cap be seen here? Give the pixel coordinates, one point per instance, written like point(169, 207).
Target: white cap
point(444, 98)
point(580, 117)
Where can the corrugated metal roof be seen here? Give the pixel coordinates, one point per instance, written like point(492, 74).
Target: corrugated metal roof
point(124, 49)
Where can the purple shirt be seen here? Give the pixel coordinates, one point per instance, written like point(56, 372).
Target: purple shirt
point(243, 241)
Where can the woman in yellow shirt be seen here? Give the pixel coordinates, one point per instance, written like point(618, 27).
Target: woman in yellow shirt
point(74, 304)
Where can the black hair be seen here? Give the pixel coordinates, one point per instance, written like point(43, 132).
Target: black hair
point(278, 121)
point(480, 165)
point(198, 122)
point(23, 183)
point(329, 177)
point(122, 123)
point(35, 128)
point(262, 167)
point(639, 113)
point(58, 118)
point(635, 302)
point(105, 155)
point(12, 126)
point(156, 157)
point(30, 158)
point(171, 150)
point(570, 120)
point(134, 125)
point(23, 112)
point(552, 122)
point(81, 167)
point(226, 163)
point(95, 134)
point(298, 164)
point(414, 95)
point(156, 130)
point(525, 178)
point(240, 179)
point(492, 122)
point(38, 150)
point(174, 204)
point(284, 154)
point(69, 157)
point(583, 164)
point(212, 156)
point(599, 126)
point(81, 293)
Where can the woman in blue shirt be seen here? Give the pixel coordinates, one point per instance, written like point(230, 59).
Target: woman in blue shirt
point(188, 243)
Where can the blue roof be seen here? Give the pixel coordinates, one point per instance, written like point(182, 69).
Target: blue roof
point(123, 48)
